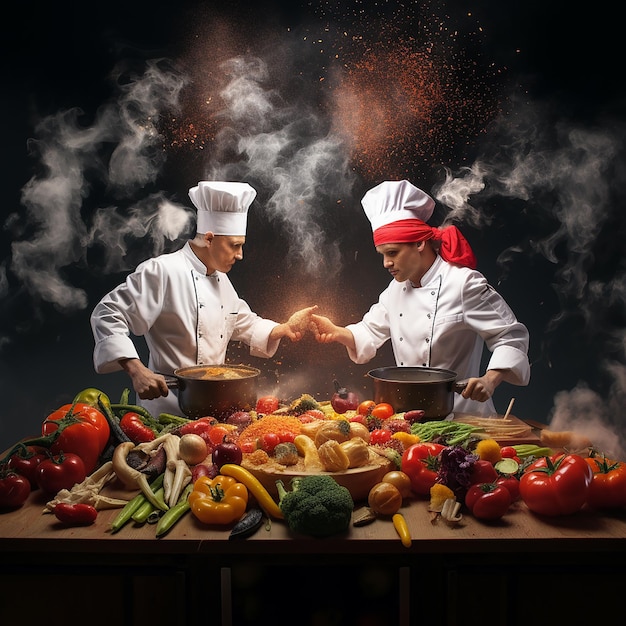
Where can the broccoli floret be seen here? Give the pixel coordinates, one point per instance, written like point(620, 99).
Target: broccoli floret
point(286, 453)
point(303, 404)
point(317, 505)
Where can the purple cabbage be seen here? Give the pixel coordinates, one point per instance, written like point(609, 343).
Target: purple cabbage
point(455, 470)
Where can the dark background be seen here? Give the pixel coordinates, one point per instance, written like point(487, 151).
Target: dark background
point(534, 79)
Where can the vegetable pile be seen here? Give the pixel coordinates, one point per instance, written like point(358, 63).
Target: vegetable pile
point(94, 454)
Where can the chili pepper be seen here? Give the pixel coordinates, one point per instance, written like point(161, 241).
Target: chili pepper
point(256, 488)
point(133, 425)
point(399, 523)
point(146, 416)
point(79, 514)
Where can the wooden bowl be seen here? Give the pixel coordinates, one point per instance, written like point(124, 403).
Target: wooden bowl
point(358, 480)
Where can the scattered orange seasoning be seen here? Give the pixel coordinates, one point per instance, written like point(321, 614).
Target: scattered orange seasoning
point(278, 424)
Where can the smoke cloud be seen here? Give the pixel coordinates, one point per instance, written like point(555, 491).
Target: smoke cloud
point(560, 177)
point(289, 150)
point(120, 151)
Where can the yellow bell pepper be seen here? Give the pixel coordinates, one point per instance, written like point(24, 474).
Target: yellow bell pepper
point(220, 500)
point(407, 439)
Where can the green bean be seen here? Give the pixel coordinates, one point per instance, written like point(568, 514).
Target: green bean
point(173, 514)
point(530, 449)
point(169, 418)
point(132, 506)
point(143, 512)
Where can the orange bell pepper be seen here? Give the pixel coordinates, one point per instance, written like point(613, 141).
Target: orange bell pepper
point(220, 500)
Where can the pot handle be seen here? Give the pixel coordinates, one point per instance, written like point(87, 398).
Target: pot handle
point(460, 385)
point(170, 381)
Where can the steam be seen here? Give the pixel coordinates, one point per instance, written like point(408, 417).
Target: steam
point(290, 151)
point(121, 151)
point(558, 176)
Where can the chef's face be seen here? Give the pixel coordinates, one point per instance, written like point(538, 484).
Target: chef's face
point(404, 261)
point(225, 251)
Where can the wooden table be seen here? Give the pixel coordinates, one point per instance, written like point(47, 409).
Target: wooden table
point(570, 566)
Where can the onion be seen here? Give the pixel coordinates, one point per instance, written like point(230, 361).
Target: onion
point(384, 499)
point(192, 449)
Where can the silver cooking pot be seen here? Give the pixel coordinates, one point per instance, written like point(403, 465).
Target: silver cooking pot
point(423, 388)
point(215, 390)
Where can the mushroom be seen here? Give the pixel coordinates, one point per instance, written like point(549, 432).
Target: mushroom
point(130, 477)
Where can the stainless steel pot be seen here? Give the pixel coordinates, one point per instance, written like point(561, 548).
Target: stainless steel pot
point(407, 388)
point(215, 390)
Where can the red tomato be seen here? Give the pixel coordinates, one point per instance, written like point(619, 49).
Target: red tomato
point(25, 461)
point(218, 433)
point(508, 452)
point(361, 419)
point(248, 446)
point(556, 485)
point(379, 435)
point(83, 430)
point(316, 414)
point(420, 462)
point(267, 404)
point(512, 484)
point(365, 407)
point(197, 427)
point(269, 441)
point(487, 501)
point(14, 489)
point(79, 514)
point(483, 472)
point(382, 410)
point(61, 471)
point(608, 485)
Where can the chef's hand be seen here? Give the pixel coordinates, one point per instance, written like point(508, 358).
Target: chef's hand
point(481, 389)
point(327, 332)
point(146, 383)
point(296, 326)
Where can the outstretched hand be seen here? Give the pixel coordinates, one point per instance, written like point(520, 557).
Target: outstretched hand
point(298, 324)
point(323, 329)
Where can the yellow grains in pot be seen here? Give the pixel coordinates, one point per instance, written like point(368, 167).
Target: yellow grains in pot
point(488, 450)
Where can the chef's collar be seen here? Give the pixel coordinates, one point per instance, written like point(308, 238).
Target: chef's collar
point(431, 273)
point(197, 264)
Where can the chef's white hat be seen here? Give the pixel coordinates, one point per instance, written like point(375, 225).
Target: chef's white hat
point(392, 201)
point(222, 207)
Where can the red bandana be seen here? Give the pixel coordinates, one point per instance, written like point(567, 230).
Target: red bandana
point(454, 247)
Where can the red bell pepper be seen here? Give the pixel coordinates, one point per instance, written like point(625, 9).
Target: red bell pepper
point(420, 463)
point(556, 485)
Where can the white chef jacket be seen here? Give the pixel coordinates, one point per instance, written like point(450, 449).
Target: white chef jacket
point(186, 317)
point(445, 323)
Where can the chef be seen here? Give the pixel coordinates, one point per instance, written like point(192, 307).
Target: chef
point(438, 311)
point(185, 306)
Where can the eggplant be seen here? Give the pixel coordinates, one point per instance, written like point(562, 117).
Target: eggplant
point(248, 524)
